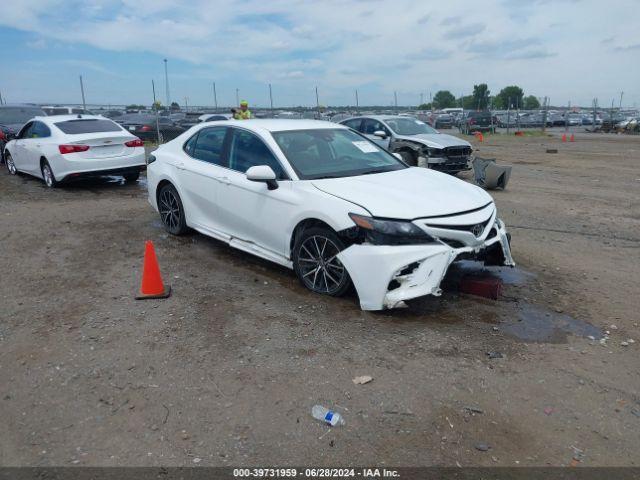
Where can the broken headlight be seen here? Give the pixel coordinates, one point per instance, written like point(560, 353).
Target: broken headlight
point(390, 232)
point(434, 152)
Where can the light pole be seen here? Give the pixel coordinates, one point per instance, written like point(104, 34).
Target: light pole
point(237, 96)
point(271, 98)
point(215, 97)
point(166, 83)
point(84, 105)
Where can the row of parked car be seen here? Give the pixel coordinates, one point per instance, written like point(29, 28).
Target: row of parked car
point(144, 125)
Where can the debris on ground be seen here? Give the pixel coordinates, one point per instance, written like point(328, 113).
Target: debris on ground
point(548, 410)
point(483, 447)
point(362, 380)
point(487, 287)
point(578, 455)
point(327, 416)
point(495, 355)
point(474, 410)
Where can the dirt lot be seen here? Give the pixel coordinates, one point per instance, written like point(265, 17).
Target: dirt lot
point(225, 372)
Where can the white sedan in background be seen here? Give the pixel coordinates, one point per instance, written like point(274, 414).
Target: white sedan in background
point(65, 147)
point(329, 203)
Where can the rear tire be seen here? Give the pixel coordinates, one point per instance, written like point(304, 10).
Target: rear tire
point(132, 177)
point(48, 176)
point(11, 167)
point(316, 264)
point(171, 210)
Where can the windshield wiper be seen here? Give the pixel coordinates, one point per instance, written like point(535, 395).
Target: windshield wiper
point(370, 172)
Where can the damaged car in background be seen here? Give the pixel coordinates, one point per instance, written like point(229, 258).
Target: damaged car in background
point(328, 203)
point(416, 142)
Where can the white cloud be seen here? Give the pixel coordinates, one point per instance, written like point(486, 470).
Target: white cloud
point(343, 44)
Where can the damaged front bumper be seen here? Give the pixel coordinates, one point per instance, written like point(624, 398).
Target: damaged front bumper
point(386, 275)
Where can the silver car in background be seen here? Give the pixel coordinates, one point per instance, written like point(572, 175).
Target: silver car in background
point(416, 142)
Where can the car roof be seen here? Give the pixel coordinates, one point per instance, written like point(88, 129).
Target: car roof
point(380, 117)
point(64, 118)
point(279, 125)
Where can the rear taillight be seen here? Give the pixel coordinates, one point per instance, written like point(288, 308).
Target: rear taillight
point(145, 128)
point(2, 135)
point(134, 143)
point(64, 149)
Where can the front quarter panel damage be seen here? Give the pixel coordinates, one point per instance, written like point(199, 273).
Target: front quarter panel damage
point(386, 275)
point(373, 267)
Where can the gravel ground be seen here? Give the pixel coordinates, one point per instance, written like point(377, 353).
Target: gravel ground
point(226, 370)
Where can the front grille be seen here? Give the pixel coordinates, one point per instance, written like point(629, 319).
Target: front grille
point(463, 228)
point(457, 153)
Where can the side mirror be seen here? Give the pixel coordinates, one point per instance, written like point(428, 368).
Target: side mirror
point(398, 156)
point(380, 133)
point(263, 173)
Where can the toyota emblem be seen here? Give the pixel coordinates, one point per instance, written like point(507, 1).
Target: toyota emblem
point(477, 229)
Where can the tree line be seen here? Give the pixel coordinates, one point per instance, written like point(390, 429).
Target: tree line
point(481, 99)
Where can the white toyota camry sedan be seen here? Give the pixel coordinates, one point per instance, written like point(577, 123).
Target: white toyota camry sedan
point(327, 202)
point(65, 147)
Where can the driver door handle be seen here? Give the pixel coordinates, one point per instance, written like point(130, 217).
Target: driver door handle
point(180, 165)
point(224, 180)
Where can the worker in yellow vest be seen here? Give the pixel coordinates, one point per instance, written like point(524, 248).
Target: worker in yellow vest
point(244, 113)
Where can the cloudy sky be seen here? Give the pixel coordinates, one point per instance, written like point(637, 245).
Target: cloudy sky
point(569, 50)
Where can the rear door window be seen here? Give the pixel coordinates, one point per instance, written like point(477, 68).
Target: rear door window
point(77, 127)
point(39, 130)
point(209, 145)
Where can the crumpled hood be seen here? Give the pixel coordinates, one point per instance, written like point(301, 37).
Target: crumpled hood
point(437, 140)
point(407, 194)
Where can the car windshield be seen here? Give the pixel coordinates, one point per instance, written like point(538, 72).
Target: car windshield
point(18, 114)
point(333, 153)
point(409, 126)
point(77, 127)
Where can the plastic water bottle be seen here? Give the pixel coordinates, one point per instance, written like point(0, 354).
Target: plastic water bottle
point(328, 416)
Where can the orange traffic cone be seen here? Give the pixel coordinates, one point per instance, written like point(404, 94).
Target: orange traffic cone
point(564, 137)
point(152, 286)
point(572, 138)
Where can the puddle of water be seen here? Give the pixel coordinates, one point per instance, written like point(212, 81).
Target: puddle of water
point(508, 275)
point(537, 324)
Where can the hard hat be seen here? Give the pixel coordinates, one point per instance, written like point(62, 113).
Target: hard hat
point(244, 102)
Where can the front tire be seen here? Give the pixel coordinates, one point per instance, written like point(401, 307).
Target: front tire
point(11, 166)
point(316, 263)
point(171, 210)
point(48, 176)
point(409, 158)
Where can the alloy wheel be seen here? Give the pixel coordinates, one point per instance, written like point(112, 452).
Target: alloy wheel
point(48, 175)
point(10, 165)
point(320, 269)
point(169, 209)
